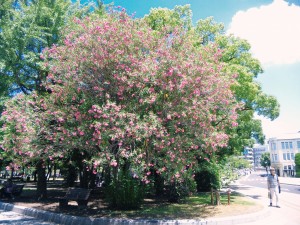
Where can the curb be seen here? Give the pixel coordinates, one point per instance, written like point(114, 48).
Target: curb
point(289, 183)
point(69, 220)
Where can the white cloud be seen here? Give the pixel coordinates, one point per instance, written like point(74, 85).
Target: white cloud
point(272, 30)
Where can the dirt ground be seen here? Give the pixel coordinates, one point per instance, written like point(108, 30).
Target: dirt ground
point(97, 208)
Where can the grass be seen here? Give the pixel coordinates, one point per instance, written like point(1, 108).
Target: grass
point(195, 207)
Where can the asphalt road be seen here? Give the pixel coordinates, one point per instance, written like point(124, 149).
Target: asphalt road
point(256, 180)
point(9, 217)
point(255, 186)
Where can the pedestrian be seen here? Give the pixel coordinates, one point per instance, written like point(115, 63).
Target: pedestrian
point(273, 186)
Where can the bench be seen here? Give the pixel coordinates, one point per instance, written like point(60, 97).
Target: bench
point(80, 195)
point(16, 191)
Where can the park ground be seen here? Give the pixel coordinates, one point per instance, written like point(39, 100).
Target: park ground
point(196, 207)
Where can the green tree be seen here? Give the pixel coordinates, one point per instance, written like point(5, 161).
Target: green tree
point(133, 99)
point(265, 160)
point(297, 164)
point(161, 18)
point(27, 28)
point(237, 59)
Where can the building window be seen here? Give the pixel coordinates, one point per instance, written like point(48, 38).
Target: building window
point(288, 156)
point(284, 156)
point(285, 167)
point(298, 144)
point(273, 146)
point(286, 145)
point(292, 156)
point(282, 145)
point(275, 157)
point(291, 145)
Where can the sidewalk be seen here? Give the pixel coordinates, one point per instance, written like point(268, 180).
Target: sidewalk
point(257, 194)
point(290, 180)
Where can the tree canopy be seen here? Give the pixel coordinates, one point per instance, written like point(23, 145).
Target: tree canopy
point(152, 96)
point(237, 60)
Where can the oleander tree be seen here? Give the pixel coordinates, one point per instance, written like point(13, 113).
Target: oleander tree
point(22, 135)
point(236, 59)
point(129, 97)
point(27, 28)
point(126, 97)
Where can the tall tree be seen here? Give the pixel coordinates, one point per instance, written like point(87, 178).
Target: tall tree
point(141, 86)
point(27, 28)
point(237, 60)
point(125, 96)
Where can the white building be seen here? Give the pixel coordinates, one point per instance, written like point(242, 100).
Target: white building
point(282, 153)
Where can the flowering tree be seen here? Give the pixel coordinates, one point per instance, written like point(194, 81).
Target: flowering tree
point(122, 93)
point(27, 27)
point(24, 136)
point(130, 98)
point(237, 59)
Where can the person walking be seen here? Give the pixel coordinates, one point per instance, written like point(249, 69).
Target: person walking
point(273, 187)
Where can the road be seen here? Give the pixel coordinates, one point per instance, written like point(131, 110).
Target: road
point(255, 186)
point(10, 217)
point(257, 180)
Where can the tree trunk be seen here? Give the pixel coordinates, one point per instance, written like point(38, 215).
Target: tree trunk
point(49, 171)
point(84, 177)
point(218, 202)
point(41, 181)
point(55, 170)
point(212, 196)
point(158, 184)
point(12, 173)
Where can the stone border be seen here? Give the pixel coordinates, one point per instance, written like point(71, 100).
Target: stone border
point(71, 220)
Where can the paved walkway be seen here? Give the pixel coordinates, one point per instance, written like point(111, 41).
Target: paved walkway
point(290, 180)
point(13, 218)
point(288, 214)
point(269, 215)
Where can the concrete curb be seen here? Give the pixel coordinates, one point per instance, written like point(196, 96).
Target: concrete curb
point(289, 183)
point(70, 220)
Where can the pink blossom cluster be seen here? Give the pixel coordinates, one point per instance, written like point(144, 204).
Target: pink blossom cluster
point(122, 92)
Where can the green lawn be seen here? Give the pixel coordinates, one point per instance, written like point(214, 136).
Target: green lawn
point(197, 206)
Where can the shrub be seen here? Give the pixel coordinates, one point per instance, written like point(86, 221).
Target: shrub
point(124, 192)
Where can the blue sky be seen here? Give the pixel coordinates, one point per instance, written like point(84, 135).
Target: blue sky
point(272, 28)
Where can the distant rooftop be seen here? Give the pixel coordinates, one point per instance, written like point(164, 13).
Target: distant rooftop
point(287, 136)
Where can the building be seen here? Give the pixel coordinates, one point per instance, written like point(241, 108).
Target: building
point(248, 155)
point(282, 153)
point(258, 150)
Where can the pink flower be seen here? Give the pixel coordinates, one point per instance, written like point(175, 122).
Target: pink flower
point(114, 163)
